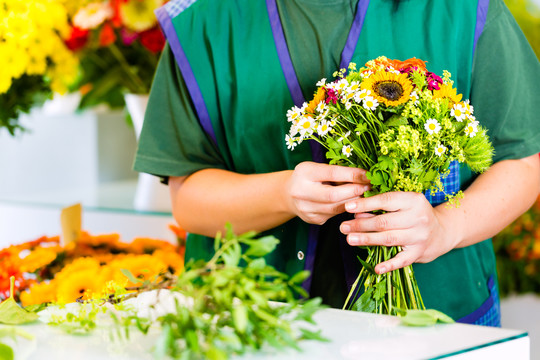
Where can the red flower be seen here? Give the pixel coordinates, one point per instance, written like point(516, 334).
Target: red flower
point(77, 39)
point(107, 35)
point(153, 40)
point(433, 81)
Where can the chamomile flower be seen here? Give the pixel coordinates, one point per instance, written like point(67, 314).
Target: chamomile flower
point(321, 82)
point(359, 96)
point(468, 107)
point(440, 149)
point(291, 142)
point(347, 150)
point(370, 103)
point(306, 126)
point(414, 97)
point(321, 107)
point(344, 136)
point(293, 115)
point(323, 128)
point(354, 86)
point(472, 128)
point(458, 111)
point(432, 126)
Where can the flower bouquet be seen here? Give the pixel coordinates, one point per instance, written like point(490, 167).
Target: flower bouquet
point(35, 61)
point(406, 126)
point(118, 43)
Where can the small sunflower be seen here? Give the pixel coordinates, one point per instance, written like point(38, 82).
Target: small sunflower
point(319, 97)
point(389, 88)
point(446, 91)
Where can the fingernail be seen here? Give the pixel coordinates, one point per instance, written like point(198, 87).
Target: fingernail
point(382, 269)
point(345, 229)
point(353, 239)
point(350, 206)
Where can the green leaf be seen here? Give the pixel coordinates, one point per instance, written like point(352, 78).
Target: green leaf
point(240, 318)
point(13, 314)
point(380, 291)
point(261, 247)
point(396, 120)
point(424, 317)
point(130, 276)
point(365, 303)
point(6, 352)
point(368, 267)
point(299, 277)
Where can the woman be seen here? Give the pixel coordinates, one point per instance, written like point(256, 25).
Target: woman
point(215, 126)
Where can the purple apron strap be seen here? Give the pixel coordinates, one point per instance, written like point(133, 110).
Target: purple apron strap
point(185, 68)
point(317, 151)
point(354, 34)
point(481, 15)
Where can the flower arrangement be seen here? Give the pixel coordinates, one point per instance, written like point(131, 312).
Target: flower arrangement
point(517, 248)
point(118, 43)
point(406, 126)
point(35, 61)
point(45, 271)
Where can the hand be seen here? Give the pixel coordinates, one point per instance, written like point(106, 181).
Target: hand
point(409, 221)
point(317, 192)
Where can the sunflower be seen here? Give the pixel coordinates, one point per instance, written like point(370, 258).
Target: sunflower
point(389, 88)
point(446, 91)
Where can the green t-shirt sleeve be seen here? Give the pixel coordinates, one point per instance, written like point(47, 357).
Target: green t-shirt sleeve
point(172, 141)
point(505, 91)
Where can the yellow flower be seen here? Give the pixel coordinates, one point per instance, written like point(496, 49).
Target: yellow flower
point(78, 265)
point(173, 260)
point(319, 96)
point(148, 245)
point(138, 15)
point(389, 88)
point(80, 284)
point(38, 258)
point(144, 267)
point(446, 91)
point(39, 293)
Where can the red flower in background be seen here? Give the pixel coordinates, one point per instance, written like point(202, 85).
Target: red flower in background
point(77, 39)
point(107, 35)
point(153, 40)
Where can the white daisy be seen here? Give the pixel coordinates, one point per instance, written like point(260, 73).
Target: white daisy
point(432, 126)
point(294, 114)
point(291, 142)
point(440, 149)
point(344, 136)
point(347, 150)
point(458, 112)
point(370, 103)
point(321, 82)
point(306, 125)
point(359, 96)
point(472, 128)
point(323, 128)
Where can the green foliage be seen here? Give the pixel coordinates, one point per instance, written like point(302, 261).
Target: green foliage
point(424, 317)
point(11, 313)
point(235, 303)
point(517, 249)
point(24, 93)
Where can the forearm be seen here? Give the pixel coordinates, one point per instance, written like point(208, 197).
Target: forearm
point(206, 200)
point(493, 201)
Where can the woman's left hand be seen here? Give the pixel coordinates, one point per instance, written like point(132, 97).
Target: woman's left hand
point(409, 221)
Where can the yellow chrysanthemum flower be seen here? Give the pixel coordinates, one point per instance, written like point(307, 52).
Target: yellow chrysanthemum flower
point(81, 284)
point(38, 258)
point(39, 293)
point(138, 15)
point(446, 91)
point(78, 265)
point(144, 267)
point(389, 88)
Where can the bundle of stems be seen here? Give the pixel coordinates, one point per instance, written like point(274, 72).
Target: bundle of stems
point(384, 293)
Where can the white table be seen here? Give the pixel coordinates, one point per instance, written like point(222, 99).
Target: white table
point(353, 335)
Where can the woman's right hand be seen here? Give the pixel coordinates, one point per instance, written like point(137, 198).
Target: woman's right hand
point(316, 192)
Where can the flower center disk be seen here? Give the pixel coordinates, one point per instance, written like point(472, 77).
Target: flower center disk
point(391, 90)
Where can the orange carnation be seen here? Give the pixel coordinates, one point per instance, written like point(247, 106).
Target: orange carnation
point(420, 65)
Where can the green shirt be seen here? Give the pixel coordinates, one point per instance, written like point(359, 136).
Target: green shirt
point(172, 142)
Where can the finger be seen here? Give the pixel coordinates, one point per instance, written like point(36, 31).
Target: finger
point(340, 174)
point(325, 194)
point(390, 201)
point(401, 260)
point(383, 222)
point(386, 238)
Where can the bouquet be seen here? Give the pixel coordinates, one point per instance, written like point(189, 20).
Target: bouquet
point(517, 248)
point(118, 43)
point(35, 61)
point(406, 126)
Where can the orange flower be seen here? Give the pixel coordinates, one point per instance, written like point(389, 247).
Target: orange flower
point(420, 65)
point(144, 267)
point(39, 293)
point(81, 284)
point(319, 96)
point(107, 35)
point(39, 257)
point(148, 246)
